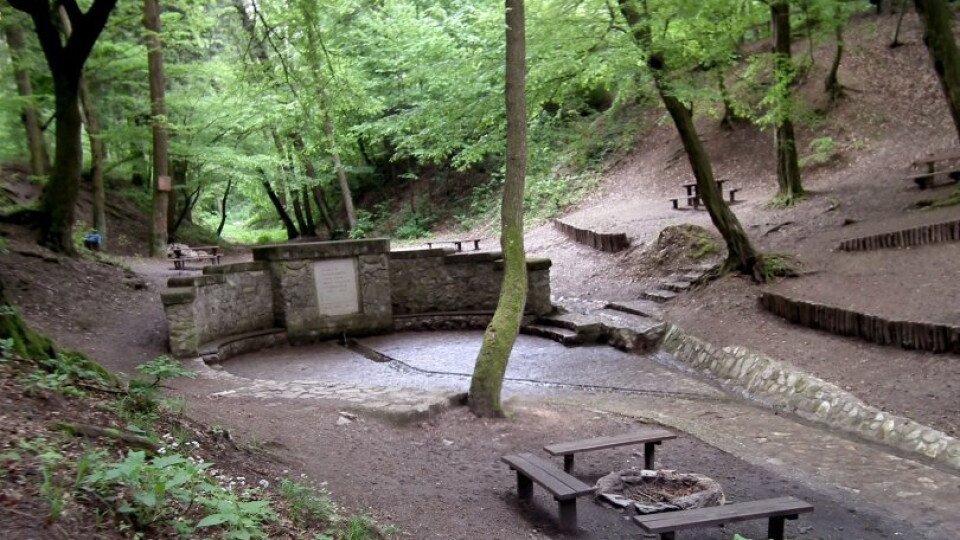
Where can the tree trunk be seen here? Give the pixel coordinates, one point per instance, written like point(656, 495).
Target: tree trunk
point(308, 212)
point(937, 18)
point(730, 117)
point(36, 145)
point(59, 199)
point(311, 172)
point(223, 207)
point(788, 168)
point(178, 177)
point(281, 211)
point(298, 214)
point(501, 333)
point(740, 252)
point(896, 34)
point(158, 235)
point(341, 173)
point(98, 149)
point(832, 85)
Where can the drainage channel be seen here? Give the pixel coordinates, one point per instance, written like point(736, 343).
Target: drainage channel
point(402, 367)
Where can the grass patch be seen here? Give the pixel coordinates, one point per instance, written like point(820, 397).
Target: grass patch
point(952, 199)
point(774, 265)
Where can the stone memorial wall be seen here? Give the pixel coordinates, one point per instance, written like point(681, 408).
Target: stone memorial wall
point(321, 290)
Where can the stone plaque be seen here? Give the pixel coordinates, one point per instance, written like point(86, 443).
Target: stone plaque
point(336, 282)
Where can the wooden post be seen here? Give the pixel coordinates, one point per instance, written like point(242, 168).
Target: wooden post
point(568, 463)
point(649, 454)
point(524, 486)
point(775, 528)
point(568, 515)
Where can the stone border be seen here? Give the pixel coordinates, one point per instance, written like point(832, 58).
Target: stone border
point(454, 320)
point(609, 242)
point(225, 348)
point(924, 336)
point(936, 233)
point(782, 386)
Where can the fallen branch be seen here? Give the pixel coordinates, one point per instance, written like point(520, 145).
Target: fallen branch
point(94, 432)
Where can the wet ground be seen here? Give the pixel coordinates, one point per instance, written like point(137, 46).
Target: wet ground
point(444, 361)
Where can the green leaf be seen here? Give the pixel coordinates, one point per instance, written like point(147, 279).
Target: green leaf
point(213, 520)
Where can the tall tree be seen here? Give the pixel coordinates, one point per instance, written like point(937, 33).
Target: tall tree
point(66, 60)
point(832, 83)
point(502, 331)
point(788, 167)
point(937, 19)
point(98, 149)
point(740, 252)
point(36, 145)
point(161, 143)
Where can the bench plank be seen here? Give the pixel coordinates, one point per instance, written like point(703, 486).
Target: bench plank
point(560, 484)
point(716, 515)
point(600, 443)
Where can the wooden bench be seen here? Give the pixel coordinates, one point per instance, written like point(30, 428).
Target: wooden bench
point(925, 180)
point(733, 194)
point(180, 260)
point(777, 510)
point(458, 244)
point(649, 438)
point(564, 488)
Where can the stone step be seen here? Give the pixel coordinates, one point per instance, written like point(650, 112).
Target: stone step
point(630, 332)
point(692, 277)
point(585, 326)
point(698, 268)
point(555, 333)
point(676, 286)
point(644, 308)
point(658, 295)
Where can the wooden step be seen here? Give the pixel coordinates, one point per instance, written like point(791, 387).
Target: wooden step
point(555, 333)
point(644, 308)
point(658, 295)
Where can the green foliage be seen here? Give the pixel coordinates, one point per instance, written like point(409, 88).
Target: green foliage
point(359, 527)
point(141, 404)
point(63, 373)
point(774, 265)
point(240, 520)
point(306, 506)
point(822, 150)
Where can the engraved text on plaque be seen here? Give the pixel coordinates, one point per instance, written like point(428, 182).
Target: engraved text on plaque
point(336, 282)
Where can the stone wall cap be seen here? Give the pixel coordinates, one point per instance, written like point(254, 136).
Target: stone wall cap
point(321, 250)
point(234, 268)
point(472, 258)
point(179, 295)
point(533, 263)
point(420, 253)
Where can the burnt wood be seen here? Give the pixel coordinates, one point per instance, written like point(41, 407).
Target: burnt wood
point(777, 510)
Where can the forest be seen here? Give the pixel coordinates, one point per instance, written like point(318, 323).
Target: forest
point(276, 120)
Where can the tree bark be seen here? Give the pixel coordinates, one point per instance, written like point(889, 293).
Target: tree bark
point(740, 252)
point(223, 206)
point(730, 117)
point(832, 85)
point(501, 333)
point(98, 149)
point(178, 176)
point(66, 60)
point(311, 173)
point(308, 212)
point(341, 172)
point(161, 148)
point(281, 211)
point(36, 145)
point(937, 17)
point(896, 34)
point(298, 214)
point(788, 168)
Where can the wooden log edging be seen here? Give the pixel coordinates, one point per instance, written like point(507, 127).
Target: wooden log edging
point(783, 387)
point(912, 335)
point(609, 242)
point(936, 233)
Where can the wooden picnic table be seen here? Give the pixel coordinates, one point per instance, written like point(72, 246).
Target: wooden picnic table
point(457, 243)
point(930, 160)
point(211, 253)
point(692, 190)
point(929, 164)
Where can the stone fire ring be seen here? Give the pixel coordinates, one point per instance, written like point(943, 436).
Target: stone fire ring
point(658, 491)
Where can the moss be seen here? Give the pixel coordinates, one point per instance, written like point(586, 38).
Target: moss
point(26, 342)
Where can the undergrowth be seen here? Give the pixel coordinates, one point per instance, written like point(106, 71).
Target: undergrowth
point(774, 265)
point(154, 476)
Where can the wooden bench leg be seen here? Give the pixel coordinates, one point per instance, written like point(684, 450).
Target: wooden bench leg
point(649, 455)
point(775, 528)
point(524, 486)
point(476, 245)
point(568, 463)
point(668, 536)
point(568, 515)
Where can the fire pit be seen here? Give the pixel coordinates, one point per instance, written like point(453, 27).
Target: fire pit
point(658, 491)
